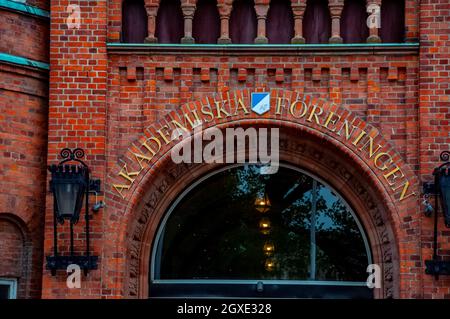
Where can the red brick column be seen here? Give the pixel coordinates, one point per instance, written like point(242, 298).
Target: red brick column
point(77, 118)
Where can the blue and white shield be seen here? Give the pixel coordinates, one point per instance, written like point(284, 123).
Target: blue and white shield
point(260, 102)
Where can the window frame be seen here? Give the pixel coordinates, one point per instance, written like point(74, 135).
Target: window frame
point(211, 287)
point(12, 283)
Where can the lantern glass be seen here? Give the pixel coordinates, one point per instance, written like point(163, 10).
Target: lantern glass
point(444, 183)
point(68, 190)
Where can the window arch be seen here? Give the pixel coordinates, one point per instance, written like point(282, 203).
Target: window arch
point(206, 24)
point(354, 22)
point(169, 22)
point(134, 21)
point(280, 22)
point(243, 22)
point(234, 228)
point(317, 22)
point(392, 21)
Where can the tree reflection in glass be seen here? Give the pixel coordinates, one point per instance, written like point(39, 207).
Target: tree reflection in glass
point(214, 232)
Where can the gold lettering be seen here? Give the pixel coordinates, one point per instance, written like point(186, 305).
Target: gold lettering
point(164, 134)
point(221, 109)
point(377, 157)
point(395, 176)
point(127, 175)
point(149, 148)
point(179, 125)
point(120, 188)
point(404, 190)
point(303, 113)
point(140, 158)
point(279, 105)
point(332, 121)
point(196, 121)
point(371, 151)
point(210, 113)
point(241, 103)
point(347, 133)
point(313, 113)
point(360, 136)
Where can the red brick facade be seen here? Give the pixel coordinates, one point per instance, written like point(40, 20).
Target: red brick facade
point(434, 113)
point(23, 147)
point(109, 98)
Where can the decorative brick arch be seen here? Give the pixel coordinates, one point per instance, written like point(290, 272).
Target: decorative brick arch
point(134, 219)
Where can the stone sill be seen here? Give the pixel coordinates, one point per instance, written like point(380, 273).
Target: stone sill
point(265, 50)
point(24, 62)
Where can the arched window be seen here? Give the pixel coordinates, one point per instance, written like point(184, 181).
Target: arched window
point(280, 22)
point(392, 21)
point(206, 25)
point(169, 22)
point(289, 232)
point(354, 27)
point(134, 21)
point(243, 22)
point(317, 22)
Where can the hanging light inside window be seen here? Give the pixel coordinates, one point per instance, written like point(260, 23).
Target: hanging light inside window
point(269, 264)
point(262, 203)
point(265, 226)
point(269, 248)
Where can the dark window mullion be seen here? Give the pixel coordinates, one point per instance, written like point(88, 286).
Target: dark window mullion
point(313, 232)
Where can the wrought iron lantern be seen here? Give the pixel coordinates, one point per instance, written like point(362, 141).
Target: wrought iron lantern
point(440, 189)
point(70, 186)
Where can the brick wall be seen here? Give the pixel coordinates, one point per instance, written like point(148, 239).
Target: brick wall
point(25, 36)
point(23, 140)
point(43, 4)
point(382, 91)
point(12, 252)
point(137, 88)
point(434, 122)
point(77, 118)
point(23, 148)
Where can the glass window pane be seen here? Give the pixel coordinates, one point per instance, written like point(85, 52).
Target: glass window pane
point(335, 224)
point(4, 292)
point(220, 230)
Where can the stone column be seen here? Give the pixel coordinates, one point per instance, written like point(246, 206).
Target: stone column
point(298, 10)
point(188, 14)
point(336, 7)
point(224, 11)
point(152, 10)
point(261, 13)
point(374, 20)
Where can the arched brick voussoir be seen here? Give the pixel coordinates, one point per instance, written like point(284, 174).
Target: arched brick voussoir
point(237, 112)
point(271, 118)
